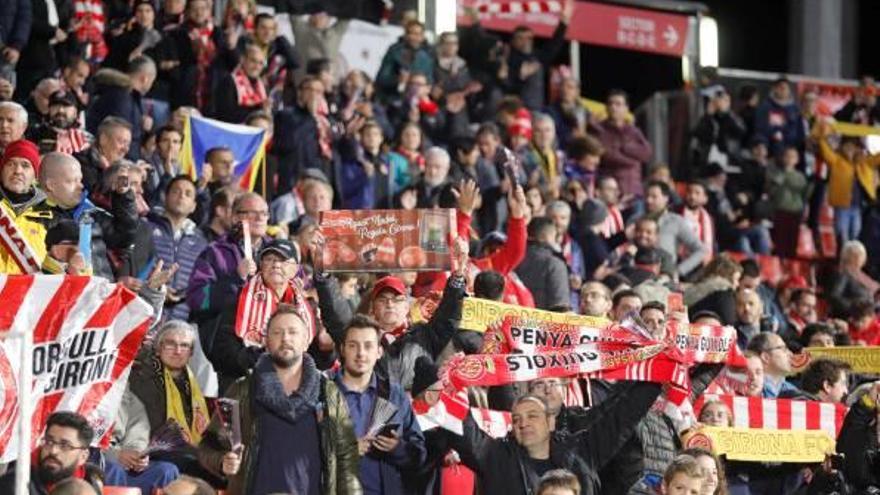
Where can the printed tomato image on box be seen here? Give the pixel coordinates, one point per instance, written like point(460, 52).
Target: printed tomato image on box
point(387, 240)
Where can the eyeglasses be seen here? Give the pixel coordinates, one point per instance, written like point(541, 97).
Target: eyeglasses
point(63, 445)
point(173, 346)
point(253, 213)
point(388, 301)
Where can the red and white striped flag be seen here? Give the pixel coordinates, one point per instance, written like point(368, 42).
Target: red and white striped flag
point(448, 413)
point(780, 414)
point(86, 333)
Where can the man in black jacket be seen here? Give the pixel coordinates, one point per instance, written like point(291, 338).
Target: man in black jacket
point(512, 465)
point(61, 179)
point(121, 95)
point(403, 344)
point(858, 439)
point(525, 72)
point(300, 147)
point(543, 270)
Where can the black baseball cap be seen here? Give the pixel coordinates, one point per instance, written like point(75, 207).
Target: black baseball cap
point(62, 97)
point(281, 247)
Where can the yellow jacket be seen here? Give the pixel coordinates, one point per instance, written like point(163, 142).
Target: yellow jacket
point(32, 219)
point(842, 173)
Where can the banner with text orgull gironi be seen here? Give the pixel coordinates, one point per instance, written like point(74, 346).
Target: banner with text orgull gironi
point(86, 333)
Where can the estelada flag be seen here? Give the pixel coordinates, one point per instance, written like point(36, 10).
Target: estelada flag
point(248, 146)
point(86, 333)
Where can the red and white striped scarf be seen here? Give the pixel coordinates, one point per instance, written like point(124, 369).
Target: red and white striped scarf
point(701, 223)
point(257, 302)
point(780, 414)
point(16, 244)
point(249, 94)
point(204, 48)
point(88, 17)
point(70, 141)
point(325, 131)
point(613, 222)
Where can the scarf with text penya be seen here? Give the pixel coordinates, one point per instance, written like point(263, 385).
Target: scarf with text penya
point(698, 343)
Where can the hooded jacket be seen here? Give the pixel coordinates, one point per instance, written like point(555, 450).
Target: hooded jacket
point(115, 97)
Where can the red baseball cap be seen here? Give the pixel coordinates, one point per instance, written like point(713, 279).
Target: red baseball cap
point(391, 283)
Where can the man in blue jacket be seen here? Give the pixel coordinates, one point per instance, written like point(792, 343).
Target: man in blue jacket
point(177, 240)
point(390, 441)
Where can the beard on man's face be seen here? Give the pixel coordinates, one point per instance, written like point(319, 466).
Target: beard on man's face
point(51, 470)
point(285, 357)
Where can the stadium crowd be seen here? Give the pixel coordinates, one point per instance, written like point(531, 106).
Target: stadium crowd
point(558, 208)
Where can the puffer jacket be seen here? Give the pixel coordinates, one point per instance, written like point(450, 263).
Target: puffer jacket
point(423, 339)
point(31, 218)
point(858, 440)
point(639, 467)
point(338, 442)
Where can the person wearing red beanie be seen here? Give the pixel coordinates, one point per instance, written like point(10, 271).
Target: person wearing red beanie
point(20, 165)
point(23, 210)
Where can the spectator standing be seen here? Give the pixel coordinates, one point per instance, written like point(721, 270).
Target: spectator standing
point(719, 132)
point(121, 95)
point(851, 181)
point(543, 269)
point(387, 455)
point(568, 111)
point(319, 36)
point(178, 240)
point(194, 55)
point(787, 190)
point(15, 24)
point(112, 142)
point(239, 340)
point(626, 149)
point(675, 235)
point(281, 59)
point(525, 66)
point(243, 91)
point(140, 37)
point(776, 359)
point(24, 207)
point(410, 55)
point(777, 119)
point(61, 130)
point(287, 405)
point(61, 179)
point(49, 24)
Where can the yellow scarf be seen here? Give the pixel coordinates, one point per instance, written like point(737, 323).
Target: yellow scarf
point(174, 407)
